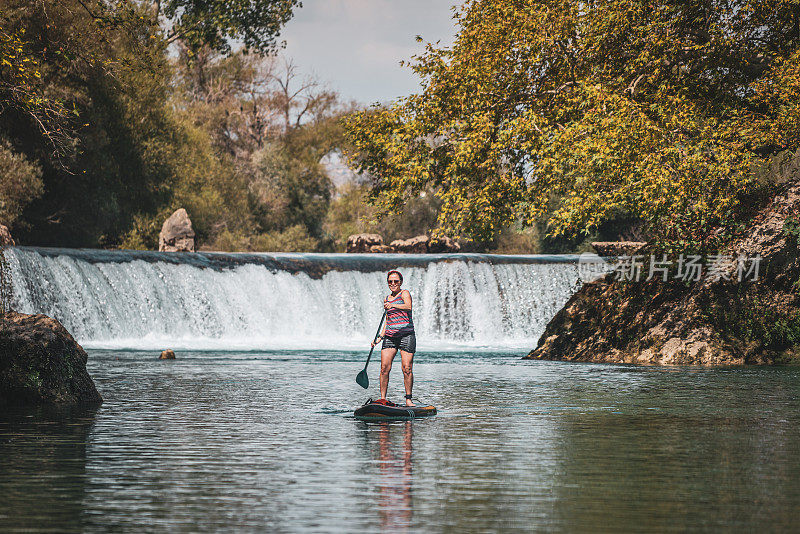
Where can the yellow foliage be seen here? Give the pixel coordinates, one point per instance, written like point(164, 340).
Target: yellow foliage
point(654, 110)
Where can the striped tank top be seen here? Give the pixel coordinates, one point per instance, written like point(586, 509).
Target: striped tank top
point(398, 322)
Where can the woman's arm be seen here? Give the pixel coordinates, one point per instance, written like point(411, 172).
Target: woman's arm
point(383, 330)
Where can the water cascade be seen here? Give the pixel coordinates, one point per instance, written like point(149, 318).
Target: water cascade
point(148, 300)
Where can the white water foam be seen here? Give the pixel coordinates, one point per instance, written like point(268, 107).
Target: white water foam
point(154, 305)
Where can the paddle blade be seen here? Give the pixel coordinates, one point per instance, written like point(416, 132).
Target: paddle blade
point(362, 379)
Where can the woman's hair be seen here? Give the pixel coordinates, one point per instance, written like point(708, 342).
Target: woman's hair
point(397, 273)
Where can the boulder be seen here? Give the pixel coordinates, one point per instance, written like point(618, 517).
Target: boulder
point(415, 245)
point(5, 237)
point(41, 364)
point(381, 249)
point(444, 244)
point(177, 234)
point(168, 354)
point(617, 248)
point(363, 242)
point(710, 321)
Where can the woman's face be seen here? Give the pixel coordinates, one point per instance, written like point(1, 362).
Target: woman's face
point(394, 282)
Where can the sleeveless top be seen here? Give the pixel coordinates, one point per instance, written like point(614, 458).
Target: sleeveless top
point(398, 322)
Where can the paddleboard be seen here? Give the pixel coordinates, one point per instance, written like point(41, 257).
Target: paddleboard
point(372, 411)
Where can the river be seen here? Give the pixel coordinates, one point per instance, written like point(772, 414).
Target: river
point(262, 438)
point(260, 441)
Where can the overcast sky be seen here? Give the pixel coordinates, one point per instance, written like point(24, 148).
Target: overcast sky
point(355, 46)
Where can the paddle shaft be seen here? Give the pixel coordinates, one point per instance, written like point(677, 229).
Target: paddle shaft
point(373, 339)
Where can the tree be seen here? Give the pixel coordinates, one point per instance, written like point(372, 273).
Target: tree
point(22, 90)
point(273, 125)
point(21, 183)
point(214, 23)
point(582, 112)
point(247, 100)
point(100, 82)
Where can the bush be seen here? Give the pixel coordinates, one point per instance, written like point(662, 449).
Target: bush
point(21, 183)
point(293, 239)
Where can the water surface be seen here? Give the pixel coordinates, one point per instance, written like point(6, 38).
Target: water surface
point(260, 441)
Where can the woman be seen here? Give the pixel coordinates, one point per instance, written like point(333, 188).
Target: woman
point(398, 333)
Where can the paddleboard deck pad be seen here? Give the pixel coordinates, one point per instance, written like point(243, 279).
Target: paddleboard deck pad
point(373, 411)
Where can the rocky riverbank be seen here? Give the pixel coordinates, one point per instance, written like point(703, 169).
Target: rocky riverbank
point(706, 322)
point(41, 364)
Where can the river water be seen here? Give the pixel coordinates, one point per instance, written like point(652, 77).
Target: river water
point(265, 441)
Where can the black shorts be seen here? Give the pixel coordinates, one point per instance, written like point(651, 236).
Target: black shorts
point(405, 342)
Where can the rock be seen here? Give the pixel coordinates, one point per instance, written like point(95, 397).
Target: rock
point(439, 245)
point(708, 322)
point(415, 245)
point(5, 237)
point(41, 364)
point(381, 249)
point(617, 248)
point(363, 242)
point(177, 234)
point(168, 354)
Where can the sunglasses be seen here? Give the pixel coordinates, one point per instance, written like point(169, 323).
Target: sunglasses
point(393, 282)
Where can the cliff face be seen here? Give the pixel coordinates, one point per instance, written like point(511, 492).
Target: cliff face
point(705, 322)
point(41, 364)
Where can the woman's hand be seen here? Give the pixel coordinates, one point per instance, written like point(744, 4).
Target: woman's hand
point(387, 305)
point(375, 342)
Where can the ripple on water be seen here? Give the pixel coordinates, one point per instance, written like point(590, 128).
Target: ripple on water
point(255, 441)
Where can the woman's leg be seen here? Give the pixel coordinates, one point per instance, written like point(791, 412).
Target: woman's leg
point(387, 355)
point(407, 361)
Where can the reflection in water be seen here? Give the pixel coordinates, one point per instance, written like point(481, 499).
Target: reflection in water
point(391, 444)
point(43, 468)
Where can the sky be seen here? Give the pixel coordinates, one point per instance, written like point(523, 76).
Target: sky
point(355, 46)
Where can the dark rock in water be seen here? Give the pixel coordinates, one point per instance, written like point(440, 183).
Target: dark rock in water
point(168, 354)
point(5, 237)
point(617, 248)
point(41, 364)
point(438, 245)
point(177, 234)
point(709, 321)
point(414, 245)
point(359, 243)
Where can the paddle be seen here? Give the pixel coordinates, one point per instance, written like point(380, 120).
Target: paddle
point(362, 379)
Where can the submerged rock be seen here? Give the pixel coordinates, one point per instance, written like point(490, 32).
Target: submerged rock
point(168, 354)
point(177, 234)
point(358, 243)
point(709, 321)
point(41, 364)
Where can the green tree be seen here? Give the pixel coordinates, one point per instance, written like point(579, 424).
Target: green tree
point(21, 183)
point(273, 125)
point(214, 23)
point(290, 190)
point(588, 112)
point(22, 90)
point(87, 97)
point(111, 75)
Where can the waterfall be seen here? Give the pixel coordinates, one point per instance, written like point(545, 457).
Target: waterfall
point(215, 301)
